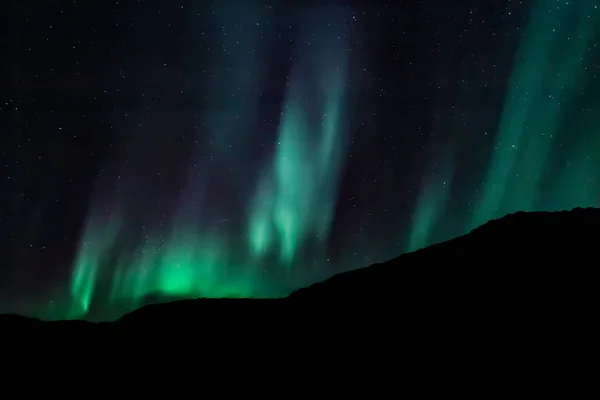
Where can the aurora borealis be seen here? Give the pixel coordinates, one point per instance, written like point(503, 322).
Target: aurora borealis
point(217, 150)
point(290, 202)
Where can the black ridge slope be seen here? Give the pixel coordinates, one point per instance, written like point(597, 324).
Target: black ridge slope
point(526, 272)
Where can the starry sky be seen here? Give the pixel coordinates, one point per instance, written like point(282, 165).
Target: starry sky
point(154, 150)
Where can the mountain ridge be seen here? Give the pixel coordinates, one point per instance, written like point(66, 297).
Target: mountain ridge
point(525, 267)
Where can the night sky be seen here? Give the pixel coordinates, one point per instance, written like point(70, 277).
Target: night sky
point(152, 150)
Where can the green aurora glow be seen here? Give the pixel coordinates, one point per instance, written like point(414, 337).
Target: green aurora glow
point(293, 199)
point(546, 74)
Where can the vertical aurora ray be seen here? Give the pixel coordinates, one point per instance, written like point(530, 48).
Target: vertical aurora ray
point(551, 107)
point(529, 168)
point(294, 200)
point(436, 183)
point(548, 64)
point(97, 242)
point(431, 204)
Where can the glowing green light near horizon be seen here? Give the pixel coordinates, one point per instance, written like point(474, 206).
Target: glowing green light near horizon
point(292, 202)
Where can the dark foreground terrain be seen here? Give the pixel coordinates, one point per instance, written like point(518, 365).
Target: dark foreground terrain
point(528, 278)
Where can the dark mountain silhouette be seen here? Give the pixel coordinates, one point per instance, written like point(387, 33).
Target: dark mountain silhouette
point(526, 279)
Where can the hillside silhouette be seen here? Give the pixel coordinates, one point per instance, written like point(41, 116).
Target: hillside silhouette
point(531, 274)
